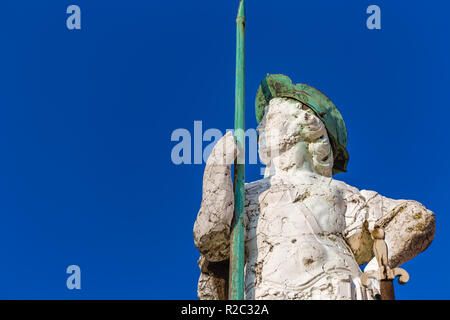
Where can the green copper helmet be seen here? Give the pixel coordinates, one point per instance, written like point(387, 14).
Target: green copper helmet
point(280, 86)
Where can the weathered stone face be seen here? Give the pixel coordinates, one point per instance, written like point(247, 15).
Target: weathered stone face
point(306, 233)
point(288, 123)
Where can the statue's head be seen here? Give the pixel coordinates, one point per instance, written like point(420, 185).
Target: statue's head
point(288, 123)
point(300, 115)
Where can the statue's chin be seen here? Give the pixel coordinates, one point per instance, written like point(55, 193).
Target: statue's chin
point(265, 155)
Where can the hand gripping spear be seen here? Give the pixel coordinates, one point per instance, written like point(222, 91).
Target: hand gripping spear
point(237, 241)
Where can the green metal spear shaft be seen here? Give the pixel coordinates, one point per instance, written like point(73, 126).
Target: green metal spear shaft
point(237, 241)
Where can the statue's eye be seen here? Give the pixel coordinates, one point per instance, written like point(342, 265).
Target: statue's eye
point(325, 159)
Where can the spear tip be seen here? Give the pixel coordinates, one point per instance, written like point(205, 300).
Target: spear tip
point(241, 12)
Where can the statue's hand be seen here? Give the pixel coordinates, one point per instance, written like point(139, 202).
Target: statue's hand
point(371, 271)
point(224, 152)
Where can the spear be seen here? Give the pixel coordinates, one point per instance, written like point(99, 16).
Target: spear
point(237, 241)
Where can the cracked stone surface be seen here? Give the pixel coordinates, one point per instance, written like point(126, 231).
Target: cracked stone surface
point(306, 233)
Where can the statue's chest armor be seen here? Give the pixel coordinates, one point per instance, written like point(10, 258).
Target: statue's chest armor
point(292, 210)
point(297, 237)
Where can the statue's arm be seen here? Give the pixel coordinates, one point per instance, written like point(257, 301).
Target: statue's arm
point(409, 227)
point(212, 227)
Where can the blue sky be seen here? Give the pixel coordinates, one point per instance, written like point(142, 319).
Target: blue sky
point(86, 117)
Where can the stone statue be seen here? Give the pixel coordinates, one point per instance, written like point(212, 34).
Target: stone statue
point(306, 233)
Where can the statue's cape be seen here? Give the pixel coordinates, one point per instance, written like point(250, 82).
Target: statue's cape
point(280, 86)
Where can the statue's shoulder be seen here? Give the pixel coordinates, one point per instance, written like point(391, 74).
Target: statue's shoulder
point(347, 190)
